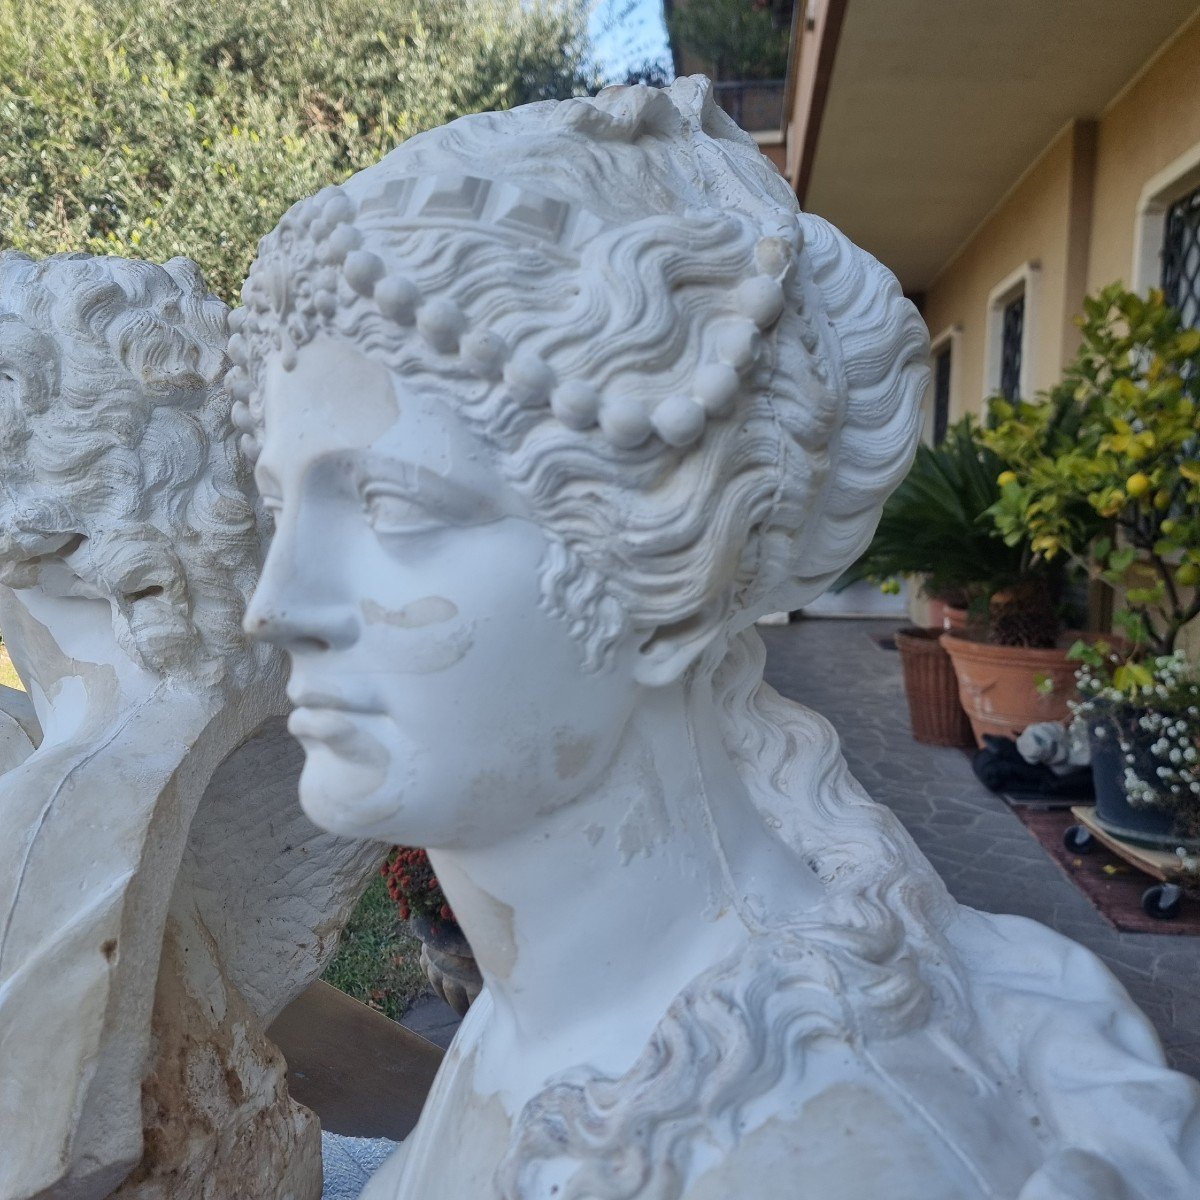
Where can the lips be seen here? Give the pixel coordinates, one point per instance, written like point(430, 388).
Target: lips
point(331, 702)
point(325, 716)
point(320, 724)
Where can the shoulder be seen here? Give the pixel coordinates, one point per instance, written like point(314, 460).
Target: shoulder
point(849, 1141)
point(1056, 1020)
point(1015, 959)
point(1024, 976)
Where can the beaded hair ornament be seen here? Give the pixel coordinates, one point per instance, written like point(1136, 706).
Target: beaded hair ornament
point(330, 267)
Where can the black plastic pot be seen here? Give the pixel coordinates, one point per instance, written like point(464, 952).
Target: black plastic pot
point(1143, 825)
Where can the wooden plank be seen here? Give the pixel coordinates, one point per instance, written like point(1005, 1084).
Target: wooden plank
point(361, 1073)
point(1158, 864)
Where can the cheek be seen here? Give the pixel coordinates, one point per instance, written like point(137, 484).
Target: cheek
point(486, 689)
point(513, 727)
point(544, 732)
point(425, 637)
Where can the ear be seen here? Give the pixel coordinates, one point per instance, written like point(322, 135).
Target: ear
point(669, 650)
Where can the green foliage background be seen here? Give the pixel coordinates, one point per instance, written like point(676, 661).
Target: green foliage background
point(153, 128)
point(737, 39)
point(935, 524)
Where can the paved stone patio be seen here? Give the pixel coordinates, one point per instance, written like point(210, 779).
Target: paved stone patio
point(983, 852)
point(433, 1019)
point(971, 836)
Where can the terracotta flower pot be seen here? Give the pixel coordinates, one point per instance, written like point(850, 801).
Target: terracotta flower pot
point(954, 620)
point(999, 685)
point(946, 616)
point(934, 708)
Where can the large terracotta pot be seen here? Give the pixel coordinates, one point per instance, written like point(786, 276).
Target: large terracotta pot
point(999, 685)
point(934, 708)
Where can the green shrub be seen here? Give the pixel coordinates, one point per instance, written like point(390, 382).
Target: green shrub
point(164, 127)
point(736, 39)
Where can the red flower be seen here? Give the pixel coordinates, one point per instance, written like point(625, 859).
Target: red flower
point(414, 887)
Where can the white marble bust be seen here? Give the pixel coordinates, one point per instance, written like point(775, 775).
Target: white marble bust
point(549, 406)
point(161, 895)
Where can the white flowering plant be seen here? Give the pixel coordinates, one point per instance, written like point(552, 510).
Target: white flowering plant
point(1152, 708)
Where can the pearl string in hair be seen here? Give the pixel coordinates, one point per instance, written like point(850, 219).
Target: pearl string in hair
point(340, 270)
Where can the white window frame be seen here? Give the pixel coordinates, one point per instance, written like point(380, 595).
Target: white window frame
point(950, 337)
point(1172, 183)
point(1024, 279)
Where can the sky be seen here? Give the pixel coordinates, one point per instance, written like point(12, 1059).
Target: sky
point(628, 32)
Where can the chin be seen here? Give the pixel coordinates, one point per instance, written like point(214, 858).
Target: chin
point(335, 796)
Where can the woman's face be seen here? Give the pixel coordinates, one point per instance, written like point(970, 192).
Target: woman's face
point(437, 702)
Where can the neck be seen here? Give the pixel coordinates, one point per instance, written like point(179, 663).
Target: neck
point(589, 923)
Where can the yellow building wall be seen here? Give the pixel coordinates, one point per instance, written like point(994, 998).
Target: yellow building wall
point(1030, 225)
point(1075, 213)
point(1152, 123)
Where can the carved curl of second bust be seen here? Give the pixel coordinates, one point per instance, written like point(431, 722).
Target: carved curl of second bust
point(550, 406)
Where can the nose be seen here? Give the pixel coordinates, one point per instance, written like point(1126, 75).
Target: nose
point(294, 607)
point(298, 629)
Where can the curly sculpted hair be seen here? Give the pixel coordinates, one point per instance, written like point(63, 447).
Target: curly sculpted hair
point(118, 455)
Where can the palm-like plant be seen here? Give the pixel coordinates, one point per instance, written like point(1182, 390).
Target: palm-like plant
point(936, 525)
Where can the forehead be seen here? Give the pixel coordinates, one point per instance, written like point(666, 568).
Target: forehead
point(335, 401)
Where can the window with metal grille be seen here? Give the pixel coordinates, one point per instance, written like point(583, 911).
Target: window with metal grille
point(1181, 257)
point(941, 395)
point(1012, 335)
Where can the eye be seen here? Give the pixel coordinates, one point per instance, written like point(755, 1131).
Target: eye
point(392, 513)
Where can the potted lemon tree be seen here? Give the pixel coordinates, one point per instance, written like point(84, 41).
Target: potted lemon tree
point(1106, 472)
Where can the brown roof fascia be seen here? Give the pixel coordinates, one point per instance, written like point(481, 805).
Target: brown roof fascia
point(835, 13)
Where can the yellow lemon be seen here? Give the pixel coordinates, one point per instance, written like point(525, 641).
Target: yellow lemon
point(1188, 575)
point(1006, 477)
point(1137, 485)
point(1162, 499)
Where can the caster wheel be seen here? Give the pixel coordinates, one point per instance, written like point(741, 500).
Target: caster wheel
point(1163, 901)
point(1079, 840)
